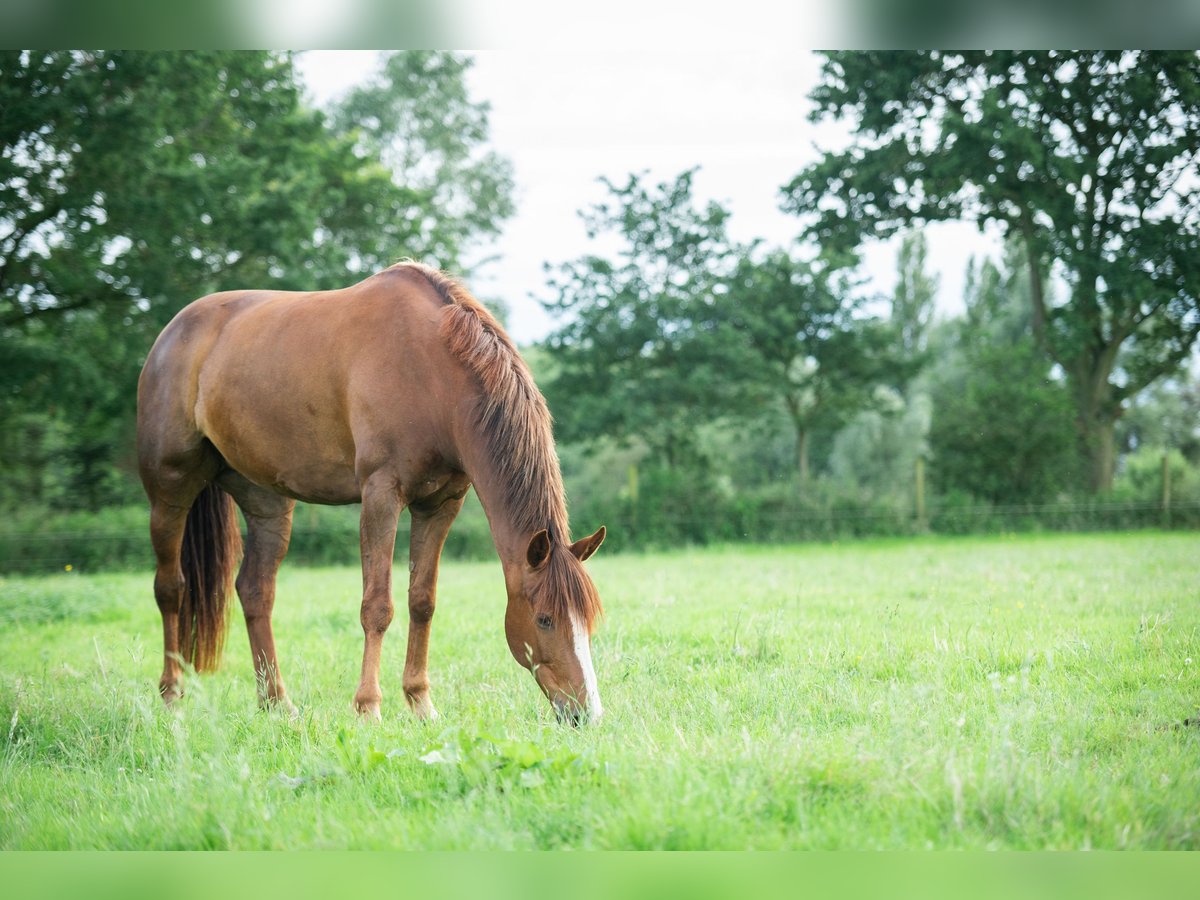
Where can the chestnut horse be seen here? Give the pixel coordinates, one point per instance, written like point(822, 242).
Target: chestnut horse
point(400, 391)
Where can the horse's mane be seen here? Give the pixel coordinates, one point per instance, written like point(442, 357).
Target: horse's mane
point(514, 425)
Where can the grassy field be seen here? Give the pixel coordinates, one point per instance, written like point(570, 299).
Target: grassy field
point(1024, 692)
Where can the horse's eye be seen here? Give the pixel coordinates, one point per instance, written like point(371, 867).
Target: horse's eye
point(544, 623)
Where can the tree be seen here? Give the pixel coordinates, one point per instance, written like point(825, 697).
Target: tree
point(1001, 428)
point(878, 448)
point(997, 297)
point(1167, 416)
point(134, 182)
point(129, 184)
point(636, 354)
point(801, 339)
point(1087, 158)
point(913, 299)
point(418, 119)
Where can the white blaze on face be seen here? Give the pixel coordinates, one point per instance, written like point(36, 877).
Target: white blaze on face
point(583, 653)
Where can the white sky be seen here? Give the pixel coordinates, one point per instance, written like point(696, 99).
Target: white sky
point(566, 118)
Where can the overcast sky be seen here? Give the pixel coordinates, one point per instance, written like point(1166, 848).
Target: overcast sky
point(566, 118)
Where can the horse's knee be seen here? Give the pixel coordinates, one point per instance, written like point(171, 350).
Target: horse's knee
point(420, 609)
point(376, 613)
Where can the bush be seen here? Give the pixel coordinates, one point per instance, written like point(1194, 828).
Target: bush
point(34, 540)
point(1001, 429)
point(1139, 483)
point(673, 508)
point(119, 539)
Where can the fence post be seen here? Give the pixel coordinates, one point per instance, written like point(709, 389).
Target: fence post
point(1166, 490)
point(920, 493)
point(633, 497)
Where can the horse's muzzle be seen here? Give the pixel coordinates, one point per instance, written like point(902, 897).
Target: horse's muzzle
point(568, 712)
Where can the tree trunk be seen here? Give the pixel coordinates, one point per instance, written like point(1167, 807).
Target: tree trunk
point(800, 423)
point(668, 451)
point(802, 453)
point(1097, 411)
point(1098, 450)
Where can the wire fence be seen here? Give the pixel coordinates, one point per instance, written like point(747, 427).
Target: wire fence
point(323, 542)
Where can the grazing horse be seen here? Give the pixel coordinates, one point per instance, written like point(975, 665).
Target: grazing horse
point(399, 391)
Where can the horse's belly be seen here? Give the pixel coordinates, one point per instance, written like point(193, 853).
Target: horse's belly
point(300, 455)
point(312, 483)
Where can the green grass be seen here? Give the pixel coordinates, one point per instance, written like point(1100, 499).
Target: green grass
point(1022, 692)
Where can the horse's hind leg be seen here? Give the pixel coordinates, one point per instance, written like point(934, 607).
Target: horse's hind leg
point(172, 489)
point(268, 531)
point(167, 523)
point(429, 530)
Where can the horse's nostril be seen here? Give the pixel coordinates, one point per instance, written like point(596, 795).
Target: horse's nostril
point(568, 713)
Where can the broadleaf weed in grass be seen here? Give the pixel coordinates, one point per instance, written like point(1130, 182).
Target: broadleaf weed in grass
point(487, 760)
point(358, 759)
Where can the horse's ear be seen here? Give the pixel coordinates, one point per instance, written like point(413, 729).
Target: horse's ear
point(539, 549)
point(585, 547)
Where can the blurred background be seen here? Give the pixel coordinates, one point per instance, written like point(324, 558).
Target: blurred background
point(770, 294)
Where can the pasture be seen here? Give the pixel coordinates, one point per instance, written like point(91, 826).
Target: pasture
point(1001, 692)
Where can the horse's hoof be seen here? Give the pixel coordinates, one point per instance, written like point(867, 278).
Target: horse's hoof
point(368, 712)
point(280, 706)
point(425, 711)
point(170, 693)
point(421, 706)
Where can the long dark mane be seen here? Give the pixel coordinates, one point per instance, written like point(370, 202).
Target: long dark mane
point(515, 428)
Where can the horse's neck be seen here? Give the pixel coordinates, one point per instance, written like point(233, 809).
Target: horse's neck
point(510, 524)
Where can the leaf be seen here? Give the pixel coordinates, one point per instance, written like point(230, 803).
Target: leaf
point(441, 756)
point(531, 778)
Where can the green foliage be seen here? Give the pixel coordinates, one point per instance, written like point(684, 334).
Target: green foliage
point(132, 182)
point(1001, 430)
point(802, 340)
point(1081, 156)
point(684, 328)
point(1165, 415)
point(878, 449)
point(1141, 480)
point(417, 118)
point(118, 538)
point(1002, 693)
point(637, 353)
point(913, 298)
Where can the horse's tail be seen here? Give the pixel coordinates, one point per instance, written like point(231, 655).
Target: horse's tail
point(212, 544)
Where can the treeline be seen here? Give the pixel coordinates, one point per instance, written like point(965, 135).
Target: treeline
point(133, 182)
point(735, 375)
point(703, 389)
point(723, 420)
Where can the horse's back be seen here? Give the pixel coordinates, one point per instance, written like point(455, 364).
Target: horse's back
point(291, 388)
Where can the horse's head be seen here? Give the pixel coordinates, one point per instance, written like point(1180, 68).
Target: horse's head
point(552, 607)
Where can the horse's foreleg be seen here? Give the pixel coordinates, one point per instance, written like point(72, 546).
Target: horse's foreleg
point(429, 530)
point(268, 531)
point(381, 505)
